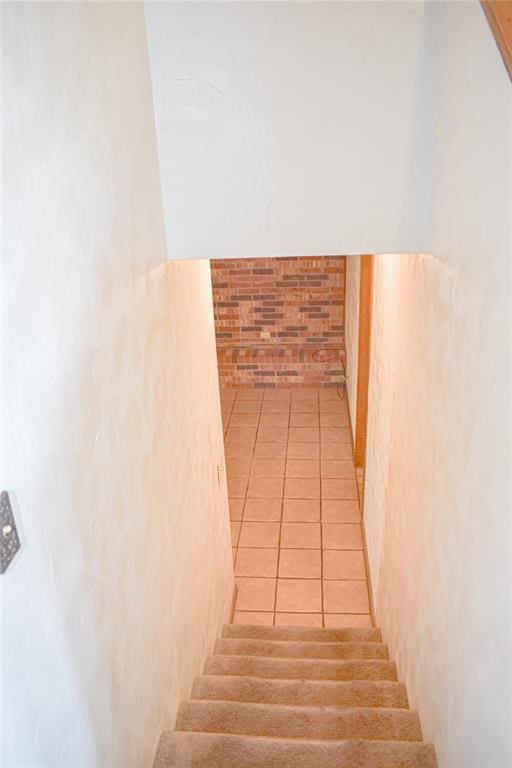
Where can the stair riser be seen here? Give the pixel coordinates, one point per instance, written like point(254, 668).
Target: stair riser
point(327, 693)
point(307, 634)
point(300, 669)
point(301, 650)
point(298, 722)
point(194, 750)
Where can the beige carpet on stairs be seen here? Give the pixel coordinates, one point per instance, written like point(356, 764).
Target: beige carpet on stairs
point(291, 697)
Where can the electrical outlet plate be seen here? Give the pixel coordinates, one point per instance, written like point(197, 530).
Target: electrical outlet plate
point(9, 539)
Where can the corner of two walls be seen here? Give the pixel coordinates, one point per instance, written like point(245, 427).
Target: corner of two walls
point(111, 415)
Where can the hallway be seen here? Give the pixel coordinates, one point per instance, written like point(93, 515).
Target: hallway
point(295, 515)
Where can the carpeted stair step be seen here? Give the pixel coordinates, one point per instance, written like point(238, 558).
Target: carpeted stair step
point(304, 722)
point(301, 692)
point(307, 669)
point(298, 649)
point(204, 750)
point(307, 634)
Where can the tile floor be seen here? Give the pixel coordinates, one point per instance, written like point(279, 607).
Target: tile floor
point(295, 516)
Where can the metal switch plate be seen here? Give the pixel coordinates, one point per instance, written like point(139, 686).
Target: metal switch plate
point(9, 539)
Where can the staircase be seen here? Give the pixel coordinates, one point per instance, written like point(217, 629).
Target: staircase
point(291, 697)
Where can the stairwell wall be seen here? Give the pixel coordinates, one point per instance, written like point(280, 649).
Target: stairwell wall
point(111, 428)
point(437, 495)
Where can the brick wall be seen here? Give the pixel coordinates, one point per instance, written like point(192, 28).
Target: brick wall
point(279, 322)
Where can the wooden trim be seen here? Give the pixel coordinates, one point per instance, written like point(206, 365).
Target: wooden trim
point(363, 358)
point(499, 16)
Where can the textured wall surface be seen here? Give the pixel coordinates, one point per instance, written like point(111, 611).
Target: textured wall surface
point(281, 126)
point(111, 420)
point(438, 500)
point(353, 266)
point(279, 322)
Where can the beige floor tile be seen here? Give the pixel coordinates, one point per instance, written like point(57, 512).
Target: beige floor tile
point(249, 394)
point(305, 393)
point(304, 406)
point(237, 487)
point(238, 450)
point(340, 511)
point(277, 406)
point(331, 393)
point(272, 434)
point(268, 468)
point(352, 620)
point(244, 419)
point(247, 406)
point(334, 419)
point(235, 532)
point(299, 595)
point(241, 435)
point(234, 550)
point(256, 562)
point(304, 435)
point(298, 488)
point(343, 564)
point(301, 535)
point(255, 594)
point(341, 536)
point(303, 450)
point(339, 488)
point(335, 435)
point(345, 597)
point(259, 618)
point(277, 394)
point(298, 620)
point(301, 510)
point(259, 534)
point(337, 468)
point(236, 507)
point(304, 420)
point(280, 537)
point(269, 450)
point(274, 420)
point(302, 468)
point(337, 451)
point(265, 487)
point(263, 510)
point(333, 406)
point(238, 467)
point(299, 564)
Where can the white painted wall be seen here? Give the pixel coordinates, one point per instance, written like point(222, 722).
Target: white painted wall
point(352, 286)
point(287, 129)
point(111, 419)
point(437, 497)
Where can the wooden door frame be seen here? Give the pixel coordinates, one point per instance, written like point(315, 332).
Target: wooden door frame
point(363, 357)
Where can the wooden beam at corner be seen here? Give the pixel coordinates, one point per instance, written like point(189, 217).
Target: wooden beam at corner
point(499, 16)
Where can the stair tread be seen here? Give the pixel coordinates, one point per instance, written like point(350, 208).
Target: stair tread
point(283, 691)
point(260, 666)
point(318, 634)
point(299, 721)
point(182, 749)
point(301, 648)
